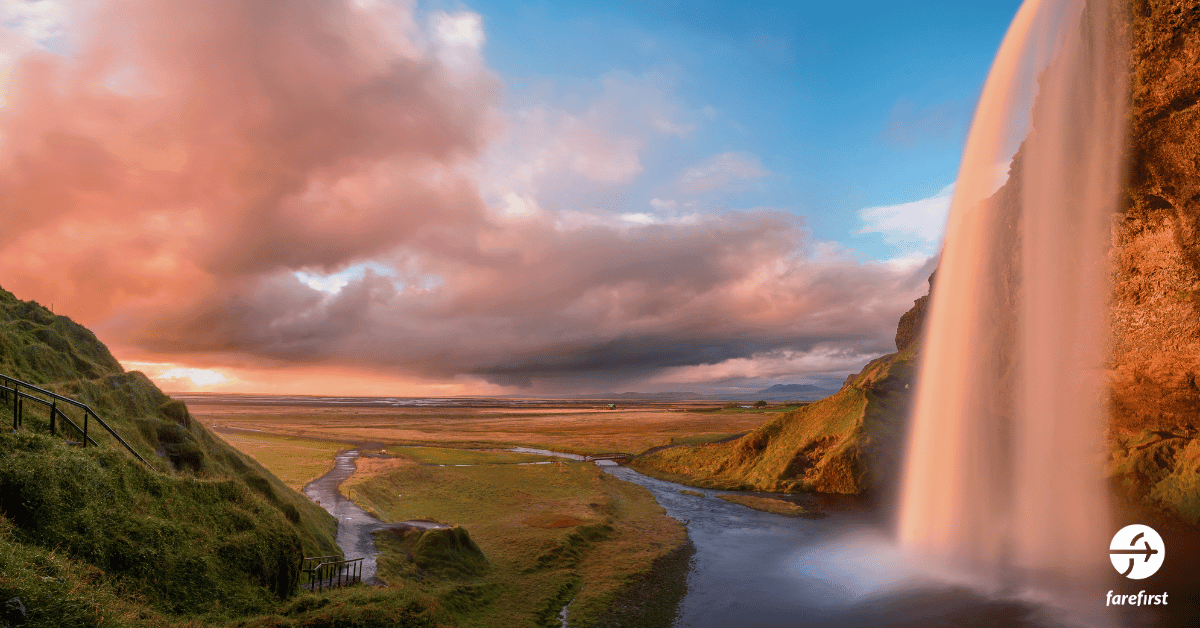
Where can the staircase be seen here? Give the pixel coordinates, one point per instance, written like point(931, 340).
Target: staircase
point(19, 392)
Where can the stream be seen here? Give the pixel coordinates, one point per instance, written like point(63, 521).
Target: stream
point(355, 525)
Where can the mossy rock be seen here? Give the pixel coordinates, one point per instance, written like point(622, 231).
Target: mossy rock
point(450, 552)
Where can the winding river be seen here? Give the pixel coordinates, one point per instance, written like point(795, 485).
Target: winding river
point(759, 570)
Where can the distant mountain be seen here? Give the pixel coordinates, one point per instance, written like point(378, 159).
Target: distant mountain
point(789, 392)
point(654, 396)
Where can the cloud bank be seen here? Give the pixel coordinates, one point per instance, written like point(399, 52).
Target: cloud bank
point(322, 185)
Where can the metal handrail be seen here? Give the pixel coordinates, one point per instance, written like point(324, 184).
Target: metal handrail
point(337, 572)
point(14, 386)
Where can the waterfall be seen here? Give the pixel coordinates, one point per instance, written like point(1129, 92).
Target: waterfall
point(1003, 475)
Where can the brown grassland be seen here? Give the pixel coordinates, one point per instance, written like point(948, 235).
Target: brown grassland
point(568, 427)
point(552, 534)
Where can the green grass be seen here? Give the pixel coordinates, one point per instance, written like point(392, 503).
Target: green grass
point(839, 444)
point(92, 536)
point(295, 461)
point(353, 607)
point(549, 534)
point(188, 546)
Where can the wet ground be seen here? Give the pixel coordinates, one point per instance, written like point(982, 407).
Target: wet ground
point(355, 525)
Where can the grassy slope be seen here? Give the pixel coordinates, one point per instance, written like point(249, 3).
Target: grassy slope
point(209, 530)
point(842, 444)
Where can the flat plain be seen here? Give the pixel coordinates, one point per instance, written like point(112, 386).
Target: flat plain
point(553, 532)
point(567, 427)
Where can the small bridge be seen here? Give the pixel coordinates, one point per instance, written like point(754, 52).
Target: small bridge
point(327, 572)
point(19, 392)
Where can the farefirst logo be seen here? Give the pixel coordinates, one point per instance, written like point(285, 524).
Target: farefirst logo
point(1141, 599)
point(1136, 551)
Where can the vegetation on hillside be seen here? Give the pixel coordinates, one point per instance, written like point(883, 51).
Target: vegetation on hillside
point(92, 536)
point(845, 443)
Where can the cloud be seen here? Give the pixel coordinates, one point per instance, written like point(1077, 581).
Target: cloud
point(189, 147)
point(821, 360)
point(38, 21)
point(917, 225)
point(260, 189)
point(720, 170)
point(558, 145)
point(559, 310)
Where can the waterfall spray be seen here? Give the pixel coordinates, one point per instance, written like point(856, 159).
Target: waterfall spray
point(1003, 473)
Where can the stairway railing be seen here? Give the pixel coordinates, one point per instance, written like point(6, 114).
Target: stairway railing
point(21, 391)
point(327, 572)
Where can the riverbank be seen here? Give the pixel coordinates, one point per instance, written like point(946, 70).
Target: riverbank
point(552, 534)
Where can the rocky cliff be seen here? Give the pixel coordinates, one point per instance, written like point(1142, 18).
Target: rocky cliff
point(1155, 398)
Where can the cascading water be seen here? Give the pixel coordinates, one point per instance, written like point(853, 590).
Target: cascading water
point(1003, 472)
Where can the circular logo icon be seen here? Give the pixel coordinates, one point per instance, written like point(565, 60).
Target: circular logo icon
point(1136, 551)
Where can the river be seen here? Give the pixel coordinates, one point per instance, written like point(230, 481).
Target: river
point(759, 570)
point(754, 569)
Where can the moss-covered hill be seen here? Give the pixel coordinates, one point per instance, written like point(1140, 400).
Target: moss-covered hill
point(91, 536)
point(846, 443)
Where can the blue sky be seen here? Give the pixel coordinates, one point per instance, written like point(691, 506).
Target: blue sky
point(847, 105)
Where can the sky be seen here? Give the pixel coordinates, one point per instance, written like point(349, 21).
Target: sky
point(372, 197)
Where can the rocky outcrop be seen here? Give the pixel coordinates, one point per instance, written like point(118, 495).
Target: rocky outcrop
point(908, 332)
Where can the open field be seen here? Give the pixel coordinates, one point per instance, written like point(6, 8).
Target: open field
point(551, 534)
point(296, 461)
point(569, 426)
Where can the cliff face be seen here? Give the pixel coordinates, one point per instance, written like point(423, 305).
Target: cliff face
point(1156, 292)
point(1155, 396)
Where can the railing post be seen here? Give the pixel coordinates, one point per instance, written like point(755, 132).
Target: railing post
point(85, 427)
point(53, 414)
point(16, 408)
